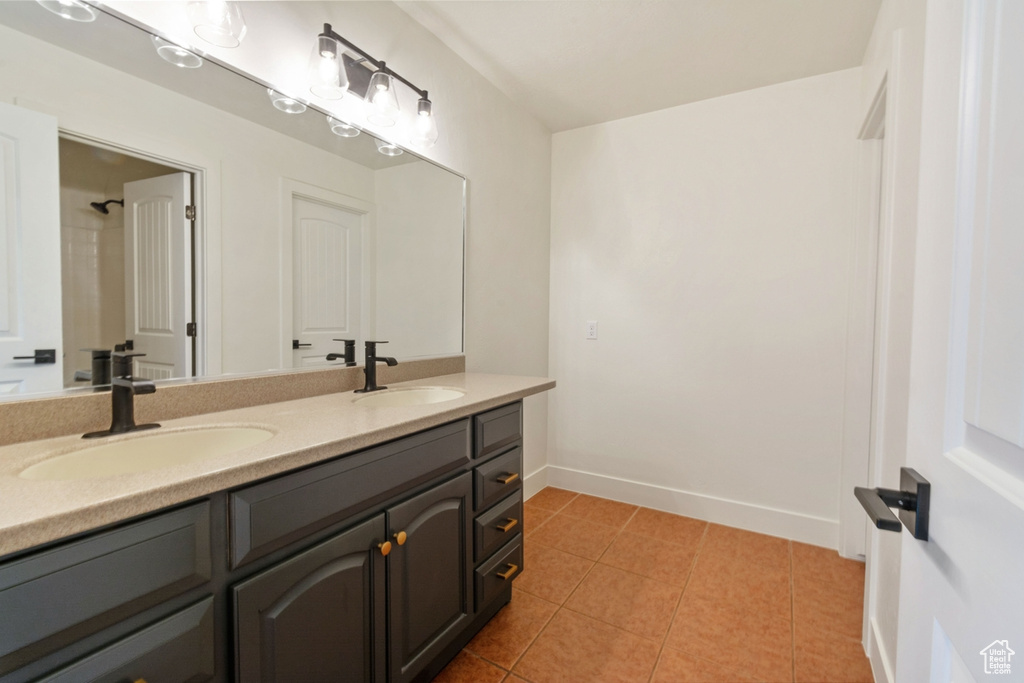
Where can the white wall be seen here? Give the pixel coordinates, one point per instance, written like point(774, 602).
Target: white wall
point(894, 56)
point(711, 242)
point(419, 259)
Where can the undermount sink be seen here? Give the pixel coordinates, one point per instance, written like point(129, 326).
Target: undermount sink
point(411, 396)
point(146, 452)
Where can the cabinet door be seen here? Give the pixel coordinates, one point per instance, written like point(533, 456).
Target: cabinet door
point(318, 616)
point(430, 574)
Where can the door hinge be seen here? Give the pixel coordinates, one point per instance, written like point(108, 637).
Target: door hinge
point(190, 330)
point(190, 212)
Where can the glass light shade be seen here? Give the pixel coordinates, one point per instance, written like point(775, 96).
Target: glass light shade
point(342, 129)
point(75, 10)
point(289, 105)
point(218, 22)
point(327, 76)
point(176, 55)
point(424, 126)
point(388, 149)
point(381, 100)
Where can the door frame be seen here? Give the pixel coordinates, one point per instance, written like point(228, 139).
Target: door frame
point(290, 189)
point(205, 286)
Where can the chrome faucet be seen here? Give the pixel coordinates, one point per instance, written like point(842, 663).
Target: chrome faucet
point(123, 388)
point(371, 367)
point(350, 353)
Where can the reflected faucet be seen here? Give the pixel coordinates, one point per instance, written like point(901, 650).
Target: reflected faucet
point(371, 367)
point(350, 353)
point(123, 388)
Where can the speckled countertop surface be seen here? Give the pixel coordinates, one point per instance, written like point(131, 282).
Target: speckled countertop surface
point(306, 430)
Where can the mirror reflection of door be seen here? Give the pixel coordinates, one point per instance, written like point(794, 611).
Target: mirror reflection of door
point(30, 277)
point(327, 279)
point(117, 286)
point(158, 267)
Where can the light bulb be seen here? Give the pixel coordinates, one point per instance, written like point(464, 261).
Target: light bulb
point(424, 127)
point(381, 100)
point(388, 149)
point(327, 76)
point(218, 22)
point(176, 55)
point(289, 105)
point(342, 129)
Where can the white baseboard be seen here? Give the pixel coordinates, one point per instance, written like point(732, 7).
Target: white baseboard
point(881, 667)
point(772, 521)
point(534, 482)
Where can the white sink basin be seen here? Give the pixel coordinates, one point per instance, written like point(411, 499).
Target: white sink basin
point(145, 452)
point(412, 396)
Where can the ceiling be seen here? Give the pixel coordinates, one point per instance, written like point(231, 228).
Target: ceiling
point(574, 63)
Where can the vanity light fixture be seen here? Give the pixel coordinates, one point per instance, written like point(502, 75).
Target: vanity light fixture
point(381, 98)
point(388, 149)
point(342, 129)
point(218, 22)
point(75, 10)
point(289, 105)
point(327, 76)
point(176, 55)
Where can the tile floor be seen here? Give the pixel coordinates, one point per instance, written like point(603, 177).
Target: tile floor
point(613, 592)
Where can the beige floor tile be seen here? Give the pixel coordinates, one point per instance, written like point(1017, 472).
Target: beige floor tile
point(651, 557)
point(599, 510)
point(552, 499)
point(550, 574)
point(630, 602)
point(468, 668)
point(574, 535)
point(505, 637)
point(574, 647)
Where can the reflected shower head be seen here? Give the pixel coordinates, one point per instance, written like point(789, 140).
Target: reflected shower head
point(102, 206)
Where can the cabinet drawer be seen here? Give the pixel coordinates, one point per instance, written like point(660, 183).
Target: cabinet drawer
point(178, 649)
point(498, 572)
point(271, 515)
point(497, 429)
point(498, 478)
point(496, 526)
point(54, 597)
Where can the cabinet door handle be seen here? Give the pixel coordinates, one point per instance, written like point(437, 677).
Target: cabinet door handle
point(508, 478)
point(140, 680)
point(508, 525)
point(400, 537)
point(385, 548)
point(508, 573)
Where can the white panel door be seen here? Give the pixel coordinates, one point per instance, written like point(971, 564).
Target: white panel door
point(158, 274)
point(962, 591)
point(327, 279)
point(30, 292)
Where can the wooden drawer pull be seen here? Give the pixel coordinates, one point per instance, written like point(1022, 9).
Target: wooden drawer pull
point(508, 478)
point(508, 525)
point(400, 537)
point(385, 548)
point(508, 573)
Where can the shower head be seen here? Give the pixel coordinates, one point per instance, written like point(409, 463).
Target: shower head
point(102, 206)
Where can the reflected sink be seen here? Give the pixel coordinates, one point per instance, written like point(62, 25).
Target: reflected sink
point(146, 452)
point(412, 396)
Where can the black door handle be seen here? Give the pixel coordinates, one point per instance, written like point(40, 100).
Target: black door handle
point(41, 356)
point(912, 500)
point(296, 345)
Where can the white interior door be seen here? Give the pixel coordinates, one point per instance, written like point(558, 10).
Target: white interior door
point(158, 274)
point(961, 592)
point(327, 279)
point(30, 292)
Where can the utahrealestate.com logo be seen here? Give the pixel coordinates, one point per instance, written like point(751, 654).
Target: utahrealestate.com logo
point(997, 657)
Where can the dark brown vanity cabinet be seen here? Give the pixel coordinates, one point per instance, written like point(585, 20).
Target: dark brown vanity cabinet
point(379, 565)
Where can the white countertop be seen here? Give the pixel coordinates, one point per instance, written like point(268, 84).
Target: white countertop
point(307, 431)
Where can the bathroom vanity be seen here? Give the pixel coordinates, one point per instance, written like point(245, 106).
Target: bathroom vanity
point(375, 564)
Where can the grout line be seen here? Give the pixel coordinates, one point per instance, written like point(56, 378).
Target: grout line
point(679, 602)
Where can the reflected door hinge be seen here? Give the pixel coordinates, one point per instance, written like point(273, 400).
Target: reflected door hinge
point(190, 212)
point(190, 330)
